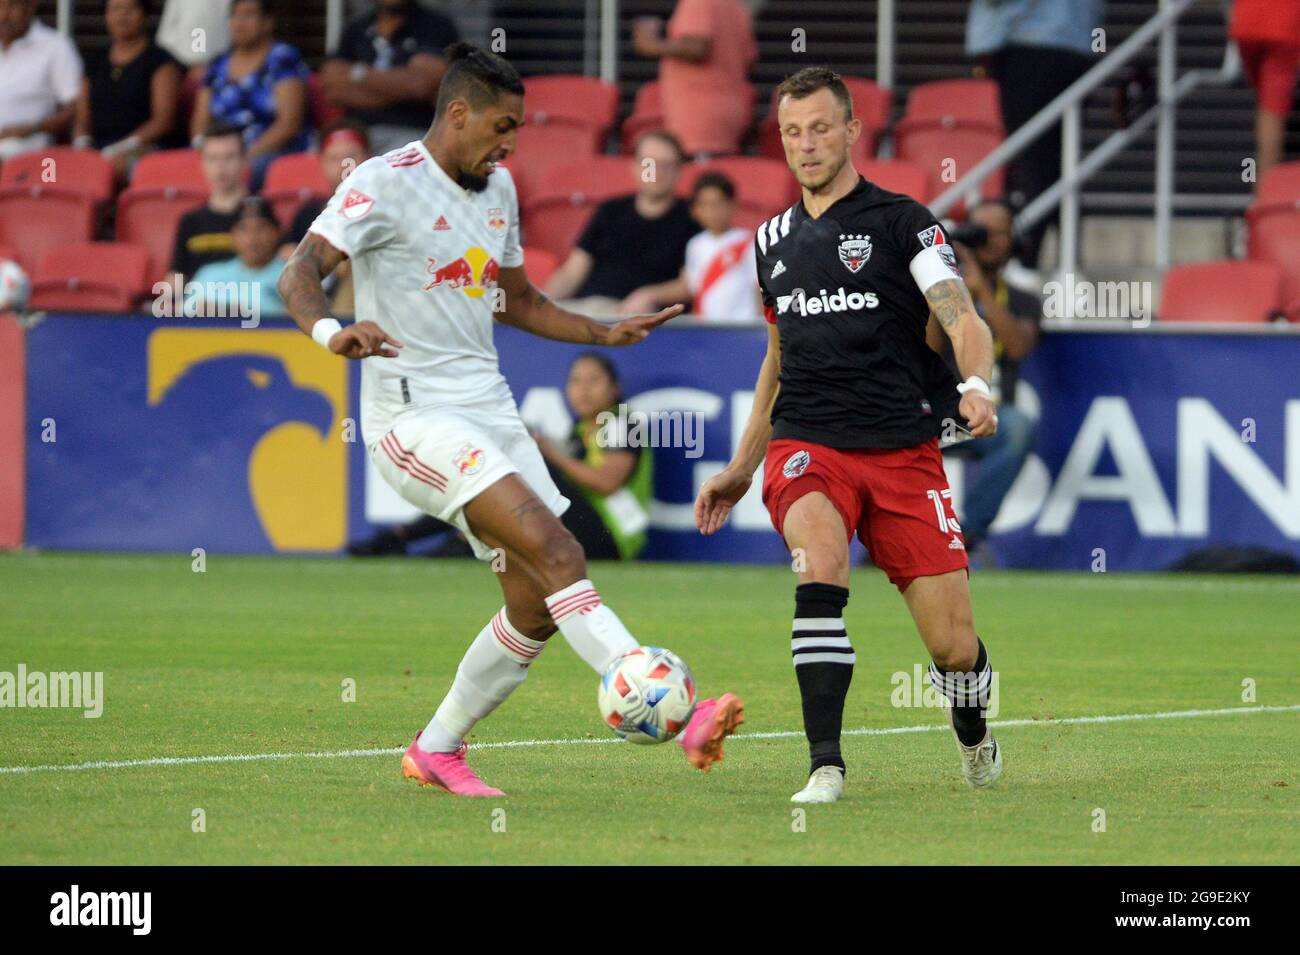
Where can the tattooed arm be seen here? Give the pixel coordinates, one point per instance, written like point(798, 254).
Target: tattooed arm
point(527, 308)
point(304, 297)
point(972, 345)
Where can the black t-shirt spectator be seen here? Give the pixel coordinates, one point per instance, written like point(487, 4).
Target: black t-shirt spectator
point(120, 95)
point(629, 250)
point(302, 220)
point(424, 31)
point(203, 236)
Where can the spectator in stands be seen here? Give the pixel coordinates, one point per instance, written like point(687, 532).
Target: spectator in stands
point(129, 97)
point(40, 78)
point(704, 65)
point(1013, 316)
point(195, 31)
point(607, 479)
point(1268, 35)
point(203, 236)
point(387, 71)
point(720, 270)
point(344, 146)
point(245, 286)
point(1035, 49)
point(634, 241)
point(260, 86)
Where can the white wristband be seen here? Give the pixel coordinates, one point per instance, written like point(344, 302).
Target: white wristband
point(975, 383)
point(324, 330)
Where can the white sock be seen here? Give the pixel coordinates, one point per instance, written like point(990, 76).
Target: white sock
point(592, 629)
point(493, 666)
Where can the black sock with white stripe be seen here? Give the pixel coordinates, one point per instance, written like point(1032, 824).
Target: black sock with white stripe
point(823, 664)
point(968, 692)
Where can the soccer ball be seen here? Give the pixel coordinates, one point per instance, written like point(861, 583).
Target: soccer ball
point(14, 287)
point(647, 695)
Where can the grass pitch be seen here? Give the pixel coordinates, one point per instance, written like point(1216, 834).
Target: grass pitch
point(250, 657)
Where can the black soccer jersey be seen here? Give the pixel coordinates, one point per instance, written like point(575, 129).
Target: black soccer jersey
point(855, 369)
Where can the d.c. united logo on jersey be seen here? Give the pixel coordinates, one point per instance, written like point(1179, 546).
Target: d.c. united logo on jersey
point(854, 251)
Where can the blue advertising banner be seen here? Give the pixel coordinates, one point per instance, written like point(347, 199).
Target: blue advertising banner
point(148, 434)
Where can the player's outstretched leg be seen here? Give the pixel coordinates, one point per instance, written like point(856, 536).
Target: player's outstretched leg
point(509, 515)
point(959, 668)
point(493, 667)
point(819, 643)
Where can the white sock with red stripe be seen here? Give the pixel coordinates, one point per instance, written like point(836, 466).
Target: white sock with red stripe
point(493, 666)
point(592, 629)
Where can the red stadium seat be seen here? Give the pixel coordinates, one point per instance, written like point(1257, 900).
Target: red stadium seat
point(539, 264)
point(91, 277)
point(949, 126)
point(898, 175)
point(578, 100)
point(872, 104)
point(956, 101)
point(1226, 291)
point(1273, 223)
point(7, 254)
point(51, 197)
point(293, 179)
point(566, 194)
point(541, 146)
point(647, 115)
point(170, 169)
point(764, 187)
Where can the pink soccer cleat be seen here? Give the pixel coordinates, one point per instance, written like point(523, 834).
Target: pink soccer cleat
point(448, 771)
point(713, 720)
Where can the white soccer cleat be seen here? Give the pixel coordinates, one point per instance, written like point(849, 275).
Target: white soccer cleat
point(826, 784)
point(981, 764)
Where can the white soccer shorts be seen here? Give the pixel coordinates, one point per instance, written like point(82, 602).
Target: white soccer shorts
point(441, 459)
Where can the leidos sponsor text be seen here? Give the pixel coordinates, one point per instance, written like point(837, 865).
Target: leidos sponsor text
point(59, 690)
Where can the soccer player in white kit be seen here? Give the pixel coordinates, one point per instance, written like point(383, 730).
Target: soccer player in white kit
point(432, 230)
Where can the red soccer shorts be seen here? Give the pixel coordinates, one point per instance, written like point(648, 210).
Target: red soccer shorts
point(897, 500)
point(1272, 69)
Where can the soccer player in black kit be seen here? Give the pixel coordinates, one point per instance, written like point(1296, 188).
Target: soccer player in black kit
point(848, 408)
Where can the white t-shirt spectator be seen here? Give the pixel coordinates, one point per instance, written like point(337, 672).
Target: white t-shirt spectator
point(721, 274)
point(195, 31)
point(39, 73)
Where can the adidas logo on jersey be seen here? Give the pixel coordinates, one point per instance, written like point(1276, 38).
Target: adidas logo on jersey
point(441, 225)
point(840, 300)
point(778, 269)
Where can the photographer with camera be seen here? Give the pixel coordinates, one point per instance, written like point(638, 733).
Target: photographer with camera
point(984, 247)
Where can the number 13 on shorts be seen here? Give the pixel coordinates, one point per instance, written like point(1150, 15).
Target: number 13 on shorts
point(943, 511)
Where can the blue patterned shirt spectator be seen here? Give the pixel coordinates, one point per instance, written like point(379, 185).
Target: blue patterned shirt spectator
point(259, 86)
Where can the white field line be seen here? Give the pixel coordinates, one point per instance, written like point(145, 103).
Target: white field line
point(522, 743)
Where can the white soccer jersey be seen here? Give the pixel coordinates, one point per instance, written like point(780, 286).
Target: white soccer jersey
point(721, 275)
point(426, 255)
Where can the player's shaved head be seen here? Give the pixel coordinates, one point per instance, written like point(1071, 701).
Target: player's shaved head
point(475, 76)
point(480, 109)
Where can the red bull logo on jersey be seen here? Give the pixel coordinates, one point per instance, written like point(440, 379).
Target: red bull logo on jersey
point(496, 220)
point(474, 273)
point(469, 459)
